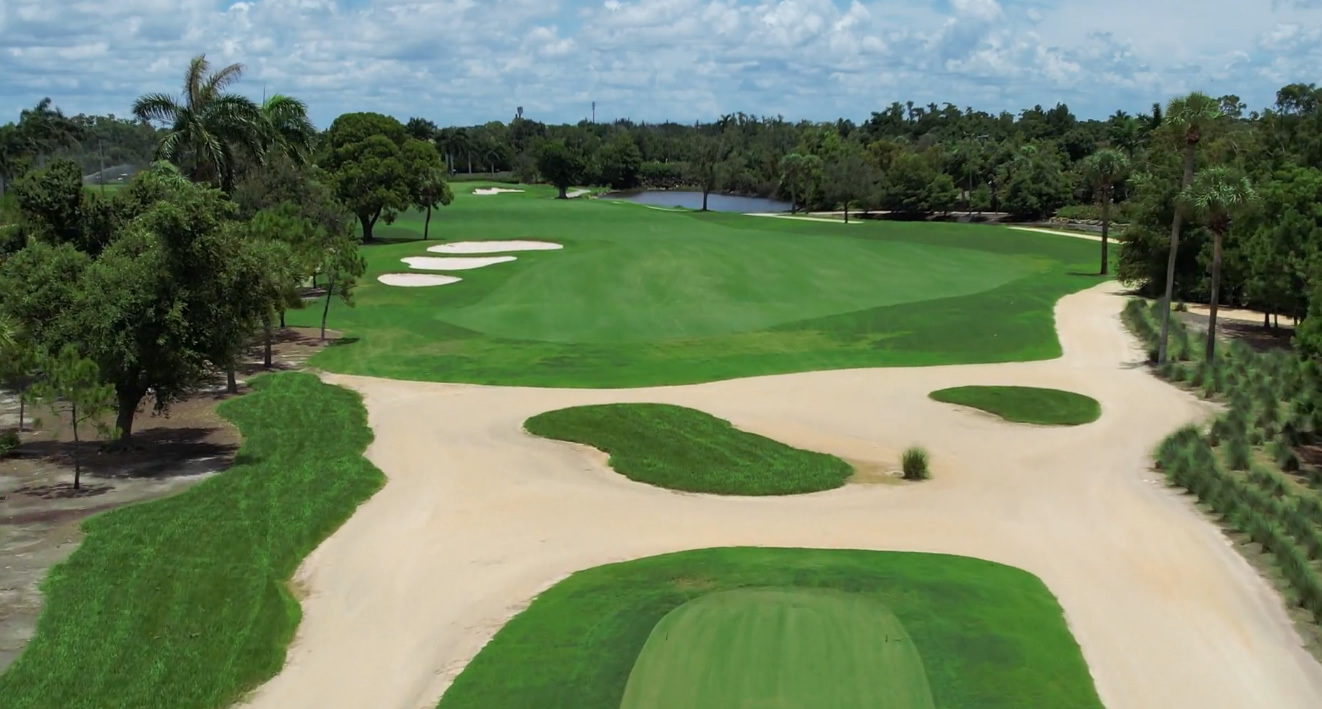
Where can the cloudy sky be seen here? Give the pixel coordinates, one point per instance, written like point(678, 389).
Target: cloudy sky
point(469, 61)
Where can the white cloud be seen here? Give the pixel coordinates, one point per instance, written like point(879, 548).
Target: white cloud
point(469, 61)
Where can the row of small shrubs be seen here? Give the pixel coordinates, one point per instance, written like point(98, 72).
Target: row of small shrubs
point(1273, 404)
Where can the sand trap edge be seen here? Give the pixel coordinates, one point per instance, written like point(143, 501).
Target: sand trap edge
point(416, 280)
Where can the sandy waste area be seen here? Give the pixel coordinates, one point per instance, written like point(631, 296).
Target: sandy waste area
point(478, 517)
point(433, 263)
point(492, 247)
point(488, 191)
point(416, 280)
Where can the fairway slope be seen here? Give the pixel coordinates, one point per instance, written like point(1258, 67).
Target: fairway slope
point(478, 517)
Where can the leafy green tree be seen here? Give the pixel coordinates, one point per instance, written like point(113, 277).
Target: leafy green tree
point(1218, 194)
point(1187, 119)
point(560, 166)
point(620, 162)
point(73, 387)
point(906, 187)
point(849, 179)
point(19, 360)
point(942, 194)
point(1034, 185)
point(704, 166)
point(342, 269)
point(1103, 170)
point(208, 127)
point(429, 189)
point(368, 168)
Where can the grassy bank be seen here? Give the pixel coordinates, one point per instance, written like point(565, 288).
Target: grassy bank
point(683, 449)
point(182, 603)
point(989, 636)
point(1048, 407)
point(1255, 468)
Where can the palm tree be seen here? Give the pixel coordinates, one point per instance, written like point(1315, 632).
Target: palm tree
point(1218, 194)
point(1189, 117)
point(286, 128)
point(1103, 169)
point(206, 125)
point(432, 191)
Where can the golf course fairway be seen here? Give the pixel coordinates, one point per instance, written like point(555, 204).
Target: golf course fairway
point(640, 297)
point(779, 648)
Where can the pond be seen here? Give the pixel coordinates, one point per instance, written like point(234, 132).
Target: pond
point(693, 200)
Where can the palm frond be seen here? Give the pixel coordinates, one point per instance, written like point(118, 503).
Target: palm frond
point(194, 79)
point(157, 107)
point(222, 79)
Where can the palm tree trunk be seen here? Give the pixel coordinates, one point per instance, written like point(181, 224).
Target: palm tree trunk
point(1216, 296)
point(1176, 223)
point(1106, 224)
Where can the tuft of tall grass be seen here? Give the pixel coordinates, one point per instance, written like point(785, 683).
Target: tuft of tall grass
point(914, 464)
point(1238, 452)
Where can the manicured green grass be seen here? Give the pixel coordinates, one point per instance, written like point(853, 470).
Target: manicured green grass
point(683, 449)
point(181, 603)
point(1026, 404)
point(773, 647)
point(990, 636)
point(644, 297)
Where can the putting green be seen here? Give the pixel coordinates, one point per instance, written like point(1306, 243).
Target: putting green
point(642, 297)
point(989, 636)
point(779, 648)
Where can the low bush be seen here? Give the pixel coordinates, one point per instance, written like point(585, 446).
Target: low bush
point(1238, 453)
point(914, 464)
point(8, 443)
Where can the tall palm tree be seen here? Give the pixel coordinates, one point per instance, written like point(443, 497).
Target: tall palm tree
point(207, 126)
point(286, 128)
point(1218, 194)
point(1189, 117)
point(1103, 169)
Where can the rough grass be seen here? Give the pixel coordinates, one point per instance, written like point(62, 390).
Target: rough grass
point(684, 449)
point(990, 636)
point(1051, 407)
point(641, 297)
point(914, 464)
point(181, 603)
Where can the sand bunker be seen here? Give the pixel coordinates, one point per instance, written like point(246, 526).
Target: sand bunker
point(432, 263)
point(416, 280)
point(1166, 611)
point(488, 191)
point(493, 247)
point(574, 194)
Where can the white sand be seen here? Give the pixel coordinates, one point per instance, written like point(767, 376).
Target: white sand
point(1251, 317)
point(1062, 232)
point(574, 194)
point(493, 247)
point(488, 191)
point(478, 517)
point(416, 280)
point(773, 215)
point(432, 263)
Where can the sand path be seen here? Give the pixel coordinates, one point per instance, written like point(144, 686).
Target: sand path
point(478, 517)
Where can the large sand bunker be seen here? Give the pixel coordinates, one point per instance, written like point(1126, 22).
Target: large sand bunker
point(433, 263)
point(1167, 613)
point(488, 191)
point(493, 247)
point(416, 280)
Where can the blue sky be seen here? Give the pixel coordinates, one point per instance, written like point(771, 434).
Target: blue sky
point(469, 61)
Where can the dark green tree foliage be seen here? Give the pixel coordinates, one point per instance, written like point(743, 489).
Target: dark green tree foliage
point(560, 165)
point(55, 208)
point(619, 163)
point(907, 186)
point(73, 388)
point(370, 171)
point(851, 180)
point(429, 189)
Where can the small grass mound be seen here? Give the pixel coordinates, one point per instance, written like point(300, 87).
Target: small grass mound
point(683, 449)
point(914, 464)
point(1051, 407)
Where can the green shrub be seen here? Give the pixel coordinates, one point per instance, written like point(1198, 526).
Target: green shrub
point(1285, 456)
point(1238, 453)
point(914, 463)
point(8, 443)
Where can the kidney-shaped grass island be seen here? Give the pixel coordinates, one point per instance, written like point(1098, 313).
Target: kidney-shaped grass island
point(767, 627)
point(641, 297)
point(1018, 404)
point(684, 449)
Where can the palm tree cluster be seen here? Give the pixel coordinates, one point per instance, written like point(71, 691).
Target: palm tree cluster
point(211, 130)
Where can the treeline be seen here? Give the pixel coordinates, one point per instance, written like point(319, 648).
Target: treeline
point(112, 301)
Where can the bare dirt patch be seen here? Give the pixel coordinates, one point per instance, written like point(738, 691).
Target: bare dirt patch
point(40, 511)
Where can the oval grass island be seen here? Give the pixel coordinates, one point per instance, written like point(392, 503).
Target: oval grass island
point(1048, 407)
point(774, 627)
point(683, 449)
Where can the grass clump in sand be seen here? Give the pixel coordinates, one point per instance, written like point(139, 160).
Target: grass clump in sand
point(914, 464)
point(683, 449)
point(181, 603)
point(1051, 407)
